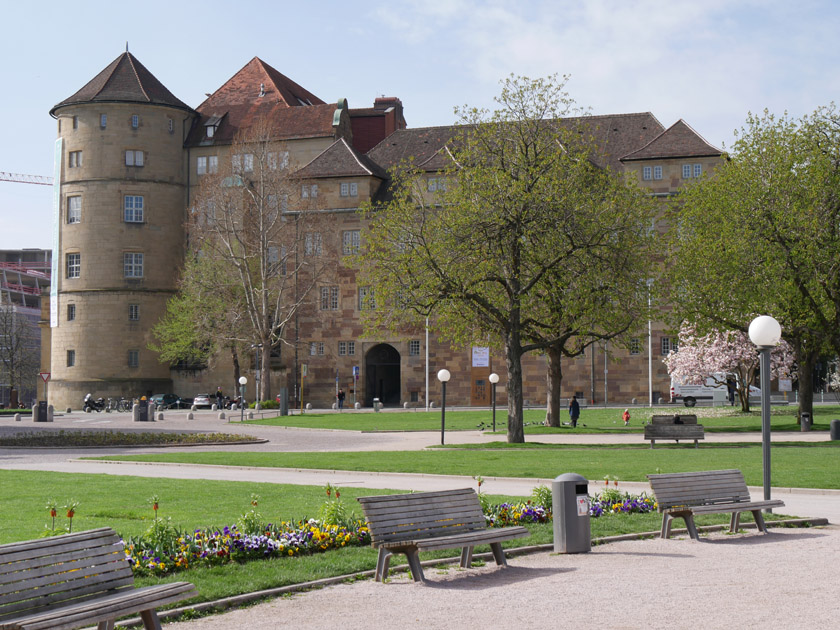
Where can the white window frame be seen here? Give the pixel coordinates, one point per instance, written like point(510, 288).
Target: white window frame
point(414, 348)
point(212, 164)
point(329, 298)
point(74, 159)
point(635, 346)
point(351, 348)
point(201, 165)
point(74, 209)
point(657, 172)
point(348, 189)
point(248, 162)
point(133, 157)
point(342, 348)
point(686, 171)
point(698, 171)
point(313, 244)
point(135, 121)
point(351, 242)
point(73, 265)
point(103, 121)
point(367, 299)
point(133, 264)
point(309, 191)
point(71, 312)
point(668, 345)
point(133, 209)
point(647, 173)
point(316, 348)
point(134, 312)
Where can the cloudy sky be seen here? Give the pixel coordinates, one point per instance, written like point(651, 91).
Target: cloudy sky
point(709, 62)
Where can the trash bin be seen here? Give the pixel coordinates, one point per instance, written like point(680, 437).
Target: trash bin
point(806, 421)
point(283, 398)
point(141, 411)
point(376, 406)
point(40, 411)
point(835, 429)
point(570, 503)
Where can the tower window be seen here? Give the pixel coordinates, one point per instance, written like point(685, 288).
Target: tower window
point(133, 158)
point(74, 265)
point(75, 122)
point(75, 159)
point(171, 124)
point(71, 312)
point(133, 358)
point(71, 358)
point(349, 189)
point(103, 120)
point(135, 121)
point(74, 209)
point(133, 265)
point(134, 312)
point(133, 208)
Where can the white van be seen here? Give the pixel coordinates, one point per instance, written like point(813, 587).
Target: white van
point(712, 391)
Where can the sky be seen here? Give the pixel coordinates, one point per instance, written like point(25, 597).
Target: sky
point(709, 62)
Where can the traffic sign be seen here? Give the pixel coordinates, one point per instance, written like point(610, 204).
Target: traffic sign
point(45, 376)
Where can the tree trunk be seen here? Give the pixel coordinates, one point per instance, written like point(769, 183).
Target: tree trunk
point(806, 360)
point(513, 357)
point(234, 357)
point(265, 371)
point(554, 379)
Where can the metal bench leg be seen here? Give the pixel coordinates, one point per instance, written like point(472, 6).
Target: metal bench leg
point(150, 620)
point(695, 444)
point(652, 442)
point(415, 566)
point(734, 522)
point(759, 521)
point(466, 557)
point(498, 554)
point(382, 562)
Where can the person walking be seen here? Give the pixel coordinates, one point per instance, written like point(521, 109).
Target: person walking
point(220, 398)
point(626, 417)
point(340, 396)
point(574, 411)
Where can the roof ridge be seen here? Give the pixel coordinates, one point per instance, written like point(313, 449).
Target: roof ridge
point(355, 155)
point(130, 58)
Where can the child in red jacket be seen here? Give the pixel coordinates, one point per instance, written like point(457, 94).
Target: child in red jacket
point(626, 417)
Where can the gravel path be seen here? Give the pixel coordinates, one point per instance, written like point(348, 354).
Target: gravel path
point(786, 579)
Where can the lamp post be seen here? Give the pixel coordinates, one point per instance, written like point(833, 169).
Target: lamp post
point(765, 332)
point(494, 378)
point(443, 377)
point(242, 383)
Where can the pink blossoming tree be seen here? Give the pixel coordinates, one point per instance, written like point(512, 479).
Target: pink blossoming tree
point(722, 355)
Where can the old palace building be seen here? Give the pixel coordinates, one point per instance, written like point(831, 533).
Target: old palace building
point(130, 157)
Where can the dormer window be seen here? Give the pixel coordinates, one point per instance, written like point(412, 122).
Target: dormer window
point(210, 131)
point(211, 125)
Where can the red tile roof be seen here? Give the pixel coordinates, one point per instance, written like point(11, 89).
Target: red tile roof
point(256, 92)
point(678, 141)
point(125, 80)
point(341, 160)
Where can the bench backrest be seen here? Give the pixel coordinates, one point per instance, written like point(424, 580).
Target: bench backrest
point(37, 575)
point(672, 419)
point(699, 488)
point(420, 515)
point(679, 431)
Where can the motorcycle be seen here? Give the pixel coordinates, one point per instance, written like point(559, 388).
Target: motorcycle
point(93, 404)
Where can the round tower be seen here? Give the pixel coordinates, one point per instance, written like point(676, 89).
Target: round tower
point(121, 198)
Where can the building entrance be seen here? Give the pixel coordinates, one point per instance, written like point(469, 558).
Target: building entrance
point(382, 375)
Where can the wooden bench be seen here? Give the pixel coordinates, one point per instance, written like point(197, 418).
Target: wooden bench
point(76, 580)
point(674, 427)
point(425, 521)
point(682, 495)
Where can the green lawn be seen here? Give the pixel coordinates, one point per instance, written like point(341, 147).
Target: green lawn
point(592, 420)
point(802, 466)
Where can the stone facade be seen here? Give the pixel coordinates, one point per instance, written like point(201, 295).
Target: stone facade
point(105, 318)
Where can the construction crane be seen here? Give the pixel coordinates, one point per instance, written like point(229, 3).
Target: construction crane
point(26, 179)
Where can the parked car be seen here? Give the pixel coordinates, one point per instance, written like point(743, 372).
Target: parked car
point(204, 400)
point(168, 401)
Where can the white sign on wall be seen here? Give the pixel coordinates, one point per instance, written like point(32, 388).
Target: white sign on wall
point(785, 385)
point(480, 357)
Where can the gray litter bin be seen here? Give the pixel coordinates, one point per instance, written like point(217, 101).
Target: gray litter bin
point(570, 503)
point(835, 429)
point(806, 421)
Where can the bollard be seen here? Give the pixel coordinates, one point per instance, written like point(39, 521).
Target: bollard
point(250, 415)
point(17, 417)
point(805, 424)
point(570, 506)
point(357, 405)
point(190, 416)
point(222, 416)
point(160, 415)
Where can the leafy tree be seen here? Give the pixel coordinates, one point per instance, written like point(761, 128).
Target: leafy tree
point(763, 235)
point(524, 245)
point(724, 356)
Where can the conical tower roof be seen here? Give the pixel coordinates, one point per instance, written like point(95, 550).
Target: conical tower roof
point(125, 80)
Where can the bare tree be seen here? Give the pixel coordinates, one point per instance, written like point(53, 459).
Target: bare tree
point(19, 349)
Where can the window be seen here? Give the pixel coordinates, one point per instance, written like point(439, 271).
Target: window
point(248, 163)
point(236, 163)
point(647, 173)
point(277, 160)
point(349, 189)
point(277, 259)
point(307, 191)
point(316, 348)
point(342, 348)
point(71, 312)
point(74, 265)
point(75, 159)
point(669, 345)
point(212, 163)
point(346, 348)
point(635, 346)
point(657, 172)
point(71, 358)
point(436, 183)
point(201, 165)
point(171, 124)
point(329, 298)
point(103, 120)
point(135, 121)
point(211, 130)
point(133, 158)
point(133, 265)
point(75, 122)
point(351, 348)
point(133, 209)
point(312, 244)
point(414, 348)
point(351, 241)
point(367, 301)
point(134, 312)
point(74, 210)
point(686, 171)
point(698, 170)
point(133, 358)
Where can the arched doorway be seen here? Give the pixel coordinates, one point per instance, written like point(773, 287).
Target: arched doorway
point(382, 372)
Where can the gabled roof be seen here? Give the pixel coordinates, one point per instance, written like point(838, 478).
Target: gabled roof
point(125, 80)
point(419, 144)
point(341, 160)
point(256, 92)
point(678, 141)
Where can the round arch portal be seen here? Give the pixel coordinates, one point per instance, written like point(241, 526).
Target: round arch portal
point(382, 375)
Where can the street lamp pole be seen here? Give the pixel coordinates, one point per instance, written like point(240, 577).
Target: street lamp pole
point(443, 377)
point(242, 383)
point(494, 378)
point(765, 332)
